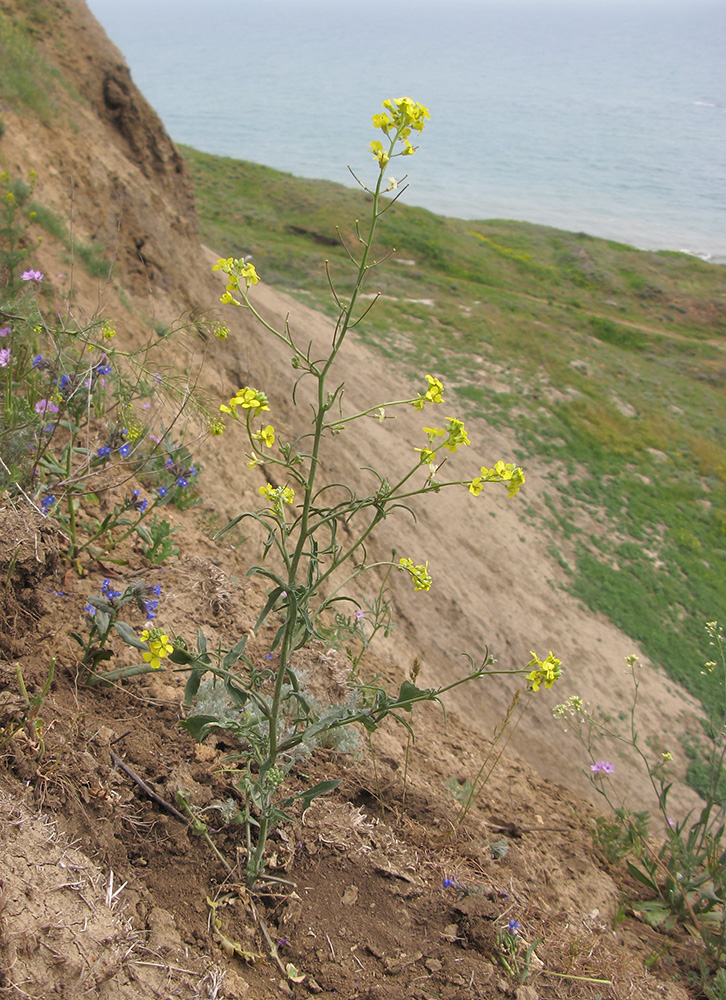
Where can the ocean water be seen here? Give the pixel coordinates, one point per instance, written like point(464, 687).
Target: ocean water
point(603, 116)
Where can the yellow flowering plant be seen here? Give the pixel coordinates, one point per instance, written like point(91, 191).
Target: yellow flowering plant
point(308, 562)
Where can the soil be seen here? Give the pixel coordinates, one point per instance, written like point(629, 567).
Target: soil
point(104, 891)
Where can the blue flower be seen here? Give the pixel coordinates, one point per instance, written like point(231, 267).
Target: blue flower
point(151, 607)
point(107, 590)
point(448, 882)
point(46, 503)
point(125, 450)
point(103, 451)
point(104, 369)
point(38, 361)
point(90, 610)
point(163, 491)
point(182, 482)
point(513, 927)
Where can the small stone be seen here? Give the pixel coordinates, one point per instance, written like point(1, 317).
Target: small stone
point(350, 896)
point(433, 965)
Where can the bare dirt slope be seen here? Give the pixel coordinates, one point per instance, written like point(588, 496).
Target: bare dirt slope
point(106, 165)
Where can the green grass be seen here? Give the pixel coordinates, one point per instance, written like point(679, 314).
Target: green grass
point(26, 80)
point(615, 359)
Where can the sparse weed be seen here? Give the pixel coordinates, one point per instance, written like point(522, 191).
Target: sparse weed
point(683, 864)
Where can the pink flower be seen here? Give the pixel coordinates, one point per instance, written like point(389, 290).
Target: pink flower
point(5, 331)
point(4, 357)
point(45, 406)
point(32, 275)
point(602, 767)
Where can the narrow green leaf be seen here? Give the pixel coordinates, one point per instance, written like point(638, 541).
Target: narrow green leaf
point(234, 654)
point(128, 635)
point(641, 876)
point(322, 788)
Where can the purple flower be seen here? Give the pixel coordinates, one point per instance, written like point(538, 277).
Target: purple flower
point(602, 767)
point(45, 406)
point(103, 451)
point(513, 927)
point(4, 357)
point(32, 275)
point(125, 450)
point(182, 482)
point(168, 464)
point(5, 331)
point(360, 615)
point(104, 369)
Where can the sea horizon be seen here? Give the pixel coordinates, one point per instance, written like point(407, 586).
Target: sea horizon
point(596, 116)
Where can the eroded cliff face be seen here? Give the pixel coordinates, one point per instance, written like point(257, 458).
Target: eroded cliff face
point(105, 163)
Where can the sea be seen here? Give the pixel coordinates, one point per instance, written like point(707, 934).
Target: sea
point(598, 116)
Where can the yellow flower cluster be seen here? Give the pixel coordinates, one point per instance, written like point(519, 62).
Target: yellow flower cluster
point(419, 574)
point(545, 671)
point(277, 495)
point(237, 271)
point(108, 330)
point(457, 435)
point(434, 393)
point(402, 116)
point(501, 473)
point(249, 399)
point(159, 647)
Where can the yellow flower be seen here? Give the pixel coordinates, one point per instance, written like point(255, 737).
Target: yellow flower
point(266, 436)
point(419, 574)
point(427, 455)
point(216, 427)
point(221, 331)
point(380, 153)
point(108, 330)
point(545, 671)
point(229, 300)
point(159, 647)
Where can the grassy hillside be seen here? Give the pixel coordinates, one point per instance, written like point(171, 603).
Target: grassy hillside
point(608, 361)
